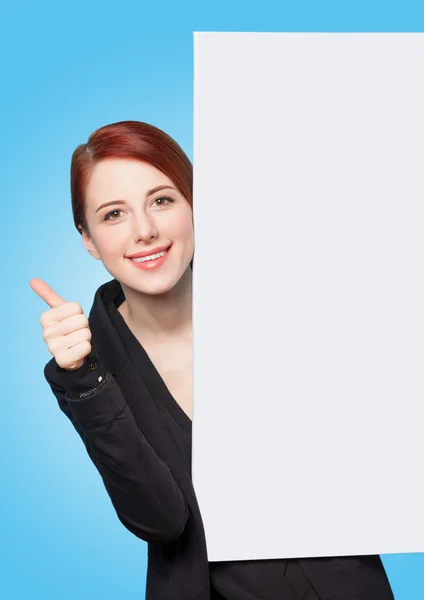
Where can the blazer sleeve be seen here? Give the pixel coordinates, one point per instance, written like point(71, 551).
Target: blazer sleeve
point(140, 485)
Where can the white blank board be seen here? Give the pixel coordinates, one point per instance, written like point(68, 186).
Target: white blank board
point(308, 293)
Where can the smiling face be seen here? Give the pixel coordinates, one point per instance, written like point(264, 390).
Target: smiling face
point(132, 208)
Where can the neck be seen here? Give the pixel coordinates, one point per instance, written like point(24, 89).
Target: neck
point(163, 316)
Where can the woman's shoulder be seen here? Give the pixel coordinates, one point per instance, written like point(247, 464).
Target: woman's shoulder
point(108, 296)
point(107, 292)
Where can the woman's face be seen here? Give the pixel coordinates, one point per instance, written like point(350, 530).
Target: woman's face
point(132, 208)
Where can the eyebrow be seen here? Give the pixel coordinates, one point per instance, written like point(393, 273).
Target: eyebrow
point(149, 193)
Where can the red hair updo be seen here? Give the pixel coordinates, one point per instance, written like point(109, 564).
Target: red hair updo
point(128, 139)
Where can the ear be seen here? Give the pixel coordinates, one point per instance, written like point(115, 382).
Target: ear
point(89, 244)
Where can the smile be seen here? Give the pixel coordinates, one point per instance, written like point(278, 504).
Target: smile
point(152, 261)
point(150, 257)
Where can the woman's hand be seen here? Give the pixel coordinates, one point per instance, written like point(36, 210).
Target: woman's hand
point(65, 328)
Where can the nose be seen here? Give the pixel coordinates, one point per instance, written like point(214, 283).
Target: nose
point(144, 228)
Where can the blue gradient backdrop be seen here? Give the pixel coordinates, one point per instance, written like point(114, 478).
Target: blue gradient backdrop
point(66, 69)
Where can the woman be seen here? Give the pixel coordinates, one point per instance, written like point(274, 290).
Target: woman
point(124, 376)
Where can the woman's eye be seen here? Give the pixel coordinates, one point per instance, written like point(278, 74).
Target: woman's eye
point(162, 200)
point(111, 213)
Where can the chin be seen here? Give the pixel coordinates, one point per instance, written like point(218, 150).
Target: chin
point(154, 290)
point(151, 284)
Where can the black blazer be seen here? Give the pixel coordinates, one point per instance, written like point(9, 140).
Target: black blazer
point(127, 439)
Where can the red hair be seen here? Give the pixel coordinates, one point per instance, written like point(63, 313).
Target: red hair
point(128, 139)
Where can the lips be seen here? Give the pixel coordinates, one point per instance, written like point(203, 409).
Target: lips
point(150, 264)
point(150, 252)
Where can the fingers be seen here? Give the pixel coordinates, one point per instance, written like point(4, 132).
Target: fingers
point(66, 329)
point(57, 328)
point(60, 344)
point(60, 313)
point(46, 293)
point(73, 358)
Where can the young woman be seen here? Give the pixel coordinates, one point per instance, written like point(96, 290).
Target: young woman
point(124, 376)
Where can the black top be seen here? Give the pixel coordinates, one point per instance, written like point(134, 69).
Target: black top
point(115, 390)
point(253, 580)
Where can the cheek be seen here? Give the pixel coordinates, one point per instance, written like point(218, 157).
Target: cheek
point(182, 227)
point(109, 242)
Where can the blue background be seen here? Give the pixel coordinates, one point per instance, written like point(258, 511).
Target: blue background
point(66, 69)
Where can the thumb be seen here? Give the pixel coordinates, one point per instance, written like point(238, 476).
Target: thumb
point(46, 293)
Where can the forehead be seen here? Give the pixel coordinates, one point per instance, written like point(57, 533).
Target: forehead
point(119, 178)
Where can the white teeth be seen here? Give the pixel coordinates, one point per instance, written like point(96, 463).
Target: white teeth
point(151, 257)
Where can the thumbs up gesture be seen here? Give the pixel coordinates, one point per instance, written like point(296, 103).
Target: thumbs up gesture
point(65, 328)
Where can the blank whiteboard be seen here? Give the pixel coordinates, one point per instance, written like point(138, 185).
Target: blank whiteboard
point(309, 293)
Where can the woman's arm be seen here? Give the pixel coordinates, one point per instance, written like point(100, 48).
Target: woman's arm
point(141, 487)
